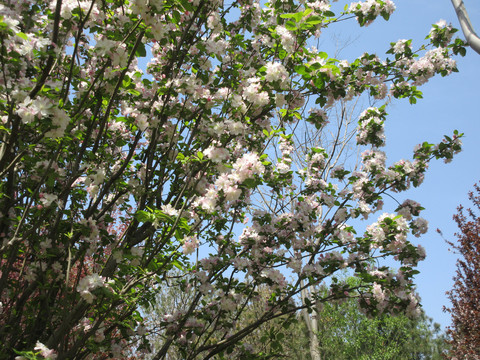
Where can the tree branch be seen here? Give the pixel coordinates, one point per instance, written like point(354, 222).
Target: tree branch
point(470, 35)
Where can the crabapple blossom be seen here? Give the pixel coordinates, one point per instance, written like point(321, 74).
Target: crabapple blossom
point(88, 284)
point(190, 244)
point(400, 46)
point(217, 154)
point(287, 39)
point(276, 72)
point(44, 351)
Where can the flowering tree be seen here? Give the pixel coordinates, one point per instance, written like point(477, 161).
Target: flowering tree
point(136, 134)
point(465, 309)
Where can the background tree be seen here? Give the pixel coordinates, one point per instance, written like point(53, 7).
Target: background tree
point(465, 294)
point(172, 118)
point(345, 332)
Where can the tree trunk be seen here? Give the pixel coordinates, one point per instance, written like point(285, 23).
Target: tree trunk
point(312, 325)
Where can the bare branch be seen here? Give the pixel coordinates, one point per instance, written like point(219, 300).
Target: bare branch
point(467, 28)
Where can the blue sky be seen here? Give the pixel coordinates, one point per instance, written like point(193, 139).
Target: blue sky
point(449, 103)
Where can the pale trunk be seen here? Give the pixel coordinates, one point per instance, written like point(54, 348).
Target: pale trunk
point(470, 35)
point(312, 325)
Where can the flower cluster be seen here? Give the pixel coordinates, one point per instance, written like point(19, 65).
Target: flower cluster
point(89, 283)
point(368, 10)
point(371, 127)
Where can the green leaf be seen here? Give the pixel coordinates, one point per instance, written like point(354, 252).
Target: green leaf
point(187, 6)
point(319, 82)
point(178, 265)
point(298, 16)
point(134, 92)
point(141, 51)
point(160, 215)
point(313, 20)
point(287, 16)
point(176, 16)
point(301, 69)
point(22, 35)
point(143, 216)
point(126, 81)
point(290, 25)
point(250, 183)
point(322, 54)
